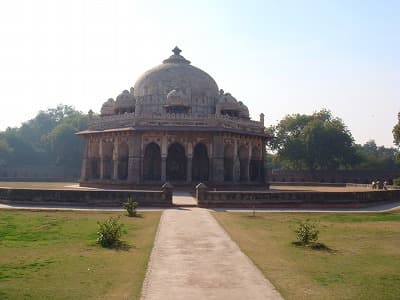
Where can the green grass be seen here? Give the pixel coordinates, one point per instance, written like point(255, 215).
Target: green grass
point(54, 255)
point(361, 261)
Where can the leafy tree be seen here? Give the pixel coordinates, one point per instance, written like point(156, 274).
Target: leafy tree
point(5, 151)
point(46, 139)
point(396, 131)
point(65, 145)
point(377, 158)
point(317, 141)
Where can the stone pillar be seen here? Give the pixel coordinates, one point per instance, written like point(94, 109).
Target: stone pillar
point(249, 149)
point(115, 159)
point(135, 158)
point(236, 163)
point(85, 160)
point(101, 159)
point(167, 193)
point(264, 166)
point(201, 190)
point(210, 165)
point(189, 153)
point(189, 169)
point(262, 118)
point(218, 158)
point(164, 153)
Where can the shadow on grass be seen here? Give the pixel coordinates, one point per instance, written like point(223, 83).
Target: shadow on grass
point(135, 216)
point(253, 217)
point(121, 246)
point(315, 246)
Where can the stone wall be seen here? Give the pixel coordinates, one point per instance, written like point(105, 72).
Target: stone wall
point(340, 176)
point(292, 199)
point(59, 197)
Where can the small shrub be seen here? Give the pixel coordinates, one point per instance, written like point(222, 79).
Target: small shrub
point(130, 205)
point(396, 181)
point(110, 232)
point(307, 233)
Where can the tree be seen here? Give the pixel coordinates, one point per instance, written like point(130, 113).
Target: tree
point(317, 141)
point(377, 158)
point(65, 145)
point(47, 139)
point(5, 151)
point(396, 131)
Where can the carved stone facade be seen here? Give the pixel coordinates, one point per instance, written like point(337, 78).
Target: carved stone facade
point(174, 125)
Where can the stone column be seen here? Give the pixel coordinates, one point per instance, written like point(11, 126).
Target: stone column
point(115, 159)
point(135, 158)
point(163, 168)
point(210, 165)
point(189, 151)
point(218, 158)
point(248, 162)
point(164, 153)
point(85, 160)
point(264, 166)
point(101, 159)
point(236, 163)
point(189, 169)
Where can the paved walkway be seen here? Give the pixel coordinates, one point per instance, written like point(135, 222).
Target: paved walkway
point(194, 258)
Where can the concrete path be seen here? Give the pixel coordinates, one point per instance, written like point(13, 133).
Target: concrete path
point(194, 258)
point(182, 198)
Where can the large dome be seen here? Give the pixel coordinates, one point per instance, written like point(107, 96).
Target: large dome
point(176, 73)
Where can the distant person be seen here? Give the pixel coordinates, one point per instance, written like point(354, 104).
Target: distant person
point(379, 185)
point(373, 184)
point(385, 185)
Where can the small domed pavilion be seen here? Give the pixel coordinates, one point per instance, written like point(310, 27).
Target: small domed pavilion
point(174, 125)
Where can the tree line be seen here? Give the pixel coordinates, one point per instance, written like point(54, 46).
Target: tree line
point(319, 141)
point(47, 139)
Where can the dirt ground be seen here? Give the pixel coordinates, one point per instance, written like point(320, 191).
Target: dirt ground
point(319, 188)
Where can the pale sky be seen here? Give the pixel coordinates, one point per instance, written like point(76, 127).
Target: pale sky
point(278, 57)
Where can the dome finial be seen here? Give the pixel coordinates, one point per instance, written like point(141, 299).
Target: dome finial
point(176, 50)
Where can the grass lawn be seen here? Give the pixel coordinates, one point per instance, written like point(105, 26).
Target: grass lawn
point(54, 255)
point(364, 261)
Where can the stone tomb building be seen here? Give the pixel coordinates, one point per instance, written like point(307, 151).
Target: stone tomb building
point(175, 125)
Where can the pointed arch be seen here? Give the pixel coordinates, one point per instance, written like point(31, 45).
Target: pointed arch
point(243, 154)
point(201, 163)
point(152, 162)
point(255, 164)
point(176, 163)
point(228, 162)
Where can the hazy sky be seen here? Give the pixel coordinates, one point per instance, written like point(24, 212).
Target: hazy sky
point(279, 57)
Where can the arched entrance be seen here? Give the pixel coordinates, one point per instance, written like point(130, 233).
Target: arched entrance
point(152, 163)
point(255, 165)
point(176, 163)
point(244, 163)
point(94, 161)
point(108, 166)
point(200, 164)
point(228, 162)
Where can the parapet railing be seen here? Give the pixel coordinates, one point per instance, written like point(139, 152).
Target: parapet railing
point(132, 119)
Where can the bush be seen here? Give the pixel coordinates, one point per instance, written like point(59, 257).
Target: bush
point(396, 181)
point(110, 232)
point(307, 233)
point(131, 207)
